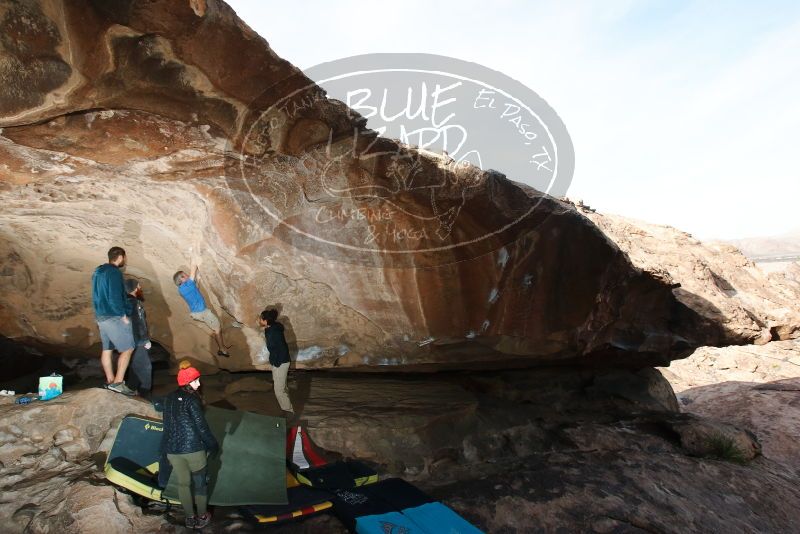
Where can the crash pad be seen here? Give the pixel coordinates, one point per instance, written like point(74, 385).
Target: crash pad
point(394, 505)
point(132, 462)
point(251, 465)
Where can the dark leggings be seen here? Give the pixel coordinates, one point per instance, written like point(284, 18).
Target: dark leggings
point(190, 471)
point(141, 369)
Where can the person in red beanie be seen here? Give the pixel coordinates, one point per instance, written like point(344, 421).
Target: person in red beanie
point(187, 442)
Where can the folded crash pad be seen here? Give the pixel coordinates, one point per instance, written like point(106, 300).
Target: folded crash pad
point(310, 480)
point(132, 462)
point(302, 501)
point(312, 469)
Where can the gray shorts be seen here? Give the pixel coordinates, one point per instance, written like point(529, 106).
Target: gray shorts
point(114, 334)
point(207, 316)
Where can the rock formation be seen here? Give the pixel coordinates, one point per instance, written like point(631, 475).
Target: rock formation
point(509, 450)
point(753, 387)
point(736, 299)
point(49, 477)
point(174, 131)
point(170, 128)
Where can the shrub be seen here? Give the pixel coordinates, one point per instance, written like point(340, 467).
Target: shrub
point(725, 448)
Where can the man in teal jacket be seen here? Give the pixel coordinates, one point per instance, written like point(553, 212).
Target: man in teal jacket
point(111, 312)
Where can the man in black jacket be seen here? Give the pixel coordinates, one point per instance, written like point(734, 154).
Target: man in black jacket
point(141, 366)
point(278, 358)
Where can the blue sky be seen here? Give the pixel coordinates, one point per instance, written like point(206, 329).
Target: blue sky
point(684, 113)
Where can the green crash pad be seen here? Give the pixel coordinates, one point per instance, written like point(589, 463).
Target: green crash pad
point(251, 465)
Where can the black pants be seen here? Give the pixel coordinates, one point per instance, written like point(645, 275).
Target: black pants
point(141, 370)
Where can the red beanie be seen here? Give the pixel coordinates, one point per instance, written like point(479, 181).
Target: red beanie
point(187, 375)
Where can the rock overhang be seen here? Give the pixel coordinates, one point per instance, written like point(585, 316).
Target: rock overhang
point(146, 144)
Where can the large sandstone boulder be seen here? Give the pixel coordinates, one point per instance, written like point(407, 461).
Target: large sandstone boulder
point(159, 126)
point(736, 299)
point(51, 456)
point(93, 508)
point(754, 387)
point(627, 490)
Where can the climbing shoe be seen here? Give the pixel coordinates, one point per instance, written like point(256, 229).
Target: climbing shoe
point(120, 387)
point(201, 521)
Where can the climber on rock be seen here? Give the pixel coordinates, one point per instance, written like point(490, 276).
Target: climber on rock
point(111, 312)
point(279, 359)
point(198, 310)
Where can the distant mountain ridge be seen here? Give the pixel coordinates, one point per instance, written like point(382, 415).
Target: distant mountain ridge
point(759, 247)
